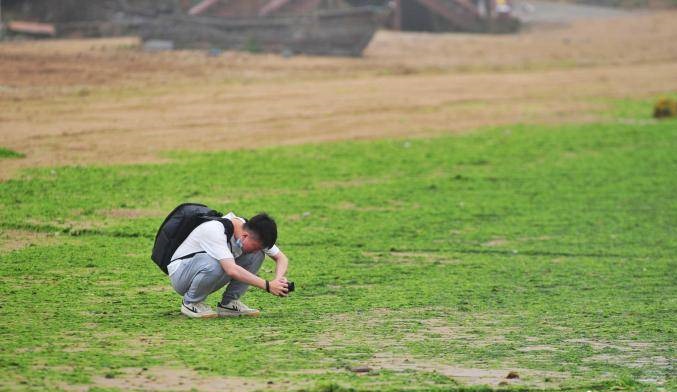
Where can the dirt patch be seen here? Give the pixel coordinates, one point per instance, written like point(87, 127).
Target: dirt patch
point(443, 329)
point(164, 288)
point(60, 368)
point(133, 213)
point(76, 348)
point(411, 258)
point(537, 348)
point(655, 369)
point(315, 371)
point(75, 102)
point(72, 226)
point(166, 378)
point(11, 240)
point(329, 340)
point(648, 357)
point(468, 375)
point(479, 335)
point(599, 344)
point(405, 327)
point(413, 326)
point(496, 242)
point(139, 345)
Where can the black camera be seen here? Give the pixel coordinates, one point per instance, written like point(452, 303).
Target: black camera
point(290, 287)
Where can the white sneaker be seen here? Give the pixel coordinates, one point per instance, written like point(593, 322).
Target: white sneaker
point(235, 308)
point(197, 310)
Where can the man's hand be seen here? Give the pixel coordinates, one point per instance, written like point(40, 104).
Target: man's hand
point(279, 287)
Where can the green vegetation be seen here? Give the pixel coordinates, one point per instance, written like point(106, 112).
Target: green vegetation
point(253, 45)
point(548, 251)
point(6, 153)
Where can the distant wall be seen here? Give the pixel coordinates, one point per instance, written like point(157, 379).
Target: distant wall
point(52, 11)
point(55, 11)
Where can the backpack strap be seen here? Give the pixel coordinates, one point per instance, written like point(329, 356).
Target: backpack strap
point(228, 230)
point(187, 256)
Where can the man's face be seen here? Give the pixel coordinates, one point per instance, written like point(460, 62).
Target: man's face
point(250, 243)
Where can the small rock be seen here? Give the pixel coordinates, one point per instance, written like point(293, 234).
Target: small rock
point(360, 369)
point(512, 375)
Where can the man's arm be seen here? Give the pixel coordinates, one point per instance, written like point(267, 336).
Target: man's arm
point(277, 287)
point(281, 263)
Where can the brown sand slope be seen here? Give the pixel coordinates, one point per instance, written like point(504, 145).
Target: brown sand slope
point(103, 101)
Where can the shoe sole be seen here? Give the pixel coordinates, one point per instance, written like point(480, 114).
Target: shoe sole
point(197, 315)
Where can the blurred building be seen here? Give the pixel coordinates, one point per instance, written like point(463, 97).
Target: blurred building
point(448, 15)
point(411, 15)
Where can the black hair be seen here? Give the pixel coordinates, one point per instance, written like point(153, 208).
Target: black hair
point(264, 227)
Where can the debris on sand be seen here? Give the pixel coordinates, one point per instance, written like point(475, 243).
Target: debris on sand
point(665, 107)
point(31, 29)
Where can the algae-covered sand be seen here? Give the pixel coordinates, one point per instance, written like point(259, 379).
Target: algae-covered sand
point(545, 251)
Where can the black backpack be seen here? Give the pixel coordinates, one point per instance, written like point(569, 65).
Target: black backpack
point(178, 225)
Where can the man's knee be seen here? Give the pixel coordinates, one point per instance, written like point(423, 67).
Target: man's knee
point(210, 266)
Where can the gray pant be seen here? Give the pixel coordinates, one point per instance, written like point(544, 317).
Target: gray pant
point(202, 275)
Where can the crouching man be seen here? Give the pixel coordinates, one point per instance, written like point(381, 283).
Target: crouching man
point(206, 261)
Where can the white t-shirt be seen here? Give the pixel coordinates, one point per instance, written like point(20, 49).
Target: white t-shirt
point(209, 237)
